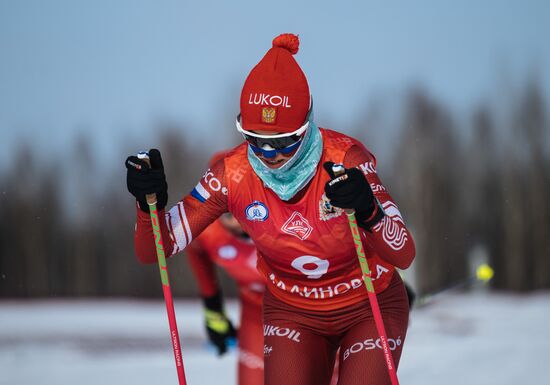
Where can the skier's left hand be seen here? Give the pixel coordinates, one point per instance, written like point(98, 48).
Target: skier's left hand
point(143, 179)
point(351, 190)
point(221, 332)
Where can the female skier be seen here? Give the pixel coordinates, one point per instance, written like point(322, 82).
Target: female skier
point(280, 185)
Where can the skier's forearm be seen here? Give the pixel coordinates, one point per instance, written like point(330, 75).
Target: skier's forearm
point(396, 247)
point(386, 233)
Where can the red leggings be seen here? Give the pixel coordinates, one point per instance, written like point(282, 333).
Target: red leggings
point(251, 345)
point(300, 345)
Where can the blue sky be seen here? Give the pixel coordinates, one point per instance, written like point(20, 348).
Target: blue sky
point(116, 68)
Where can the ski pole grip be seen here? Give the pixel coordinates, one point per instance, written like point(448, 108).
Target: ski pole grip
point(339, 170)
point(151, 198)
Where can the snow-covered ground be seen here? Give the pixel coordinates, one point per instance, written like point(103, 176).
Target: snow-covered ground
point(462, 339)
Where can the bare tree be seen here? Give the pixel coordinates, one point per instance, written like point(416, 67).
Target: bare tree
point(431, 188)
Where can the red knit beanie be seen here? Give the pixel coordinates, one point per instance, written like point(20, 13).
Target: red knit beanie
point(275, 95)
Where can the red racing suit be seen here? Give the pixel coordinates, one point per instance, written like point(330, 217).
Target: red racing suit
point(305, 248)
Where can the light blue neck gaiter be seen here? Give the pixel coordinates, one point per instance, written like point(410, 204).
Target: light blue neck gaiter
point(296, 173)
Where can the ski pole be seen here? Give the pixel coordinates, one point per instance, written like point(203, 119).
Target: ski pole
point(159, 246)
point(484, 273)
point(339, 169)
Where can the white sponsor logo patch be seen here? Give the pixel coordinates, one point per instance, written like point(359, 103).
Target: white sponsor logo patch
point(298, 226)
point(367, 168)
point(212, 182)
point(276, 331)
point(370, 344)
point(256, 212)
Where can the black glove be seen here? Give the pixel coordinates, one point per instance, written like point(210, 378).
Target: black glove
point(142, 179)
point(219, 328)
point(351, 190)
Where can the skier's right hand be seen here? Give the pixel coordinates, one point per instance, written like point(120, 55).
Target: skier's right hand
point(142, 179)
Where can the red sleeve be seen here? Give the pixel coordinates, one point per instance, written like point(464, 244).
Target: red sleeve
point(187, 219)
point(203, 269)
point(389, 237)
